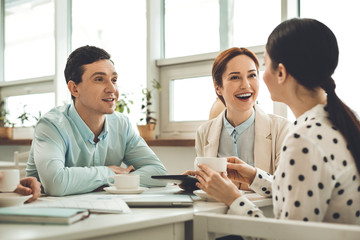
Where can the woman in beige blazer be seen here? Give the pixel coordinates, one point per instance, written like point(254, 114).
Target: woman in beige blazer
point(270, 131)
point(235, 74)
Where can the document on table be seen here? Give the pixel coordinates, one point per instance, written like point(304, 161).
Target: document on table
point(93, 202)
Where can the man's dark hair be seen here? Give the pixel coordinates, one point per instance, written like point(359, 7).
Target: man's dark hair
point(78, 58)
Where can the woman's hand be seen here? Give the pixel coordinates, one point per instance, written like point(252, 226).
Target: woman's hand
point(240, 171)
point(120, 170)
point(218, 186)
point(189, 172)
point(186, 187)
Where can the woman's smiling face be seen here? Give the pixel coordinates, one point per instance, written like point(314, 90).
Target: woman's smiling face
point(240, 84)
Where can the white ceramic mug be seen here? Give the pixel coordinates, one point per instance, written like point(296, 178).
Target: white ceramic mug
point(215, 163)
point(10, 179)
point(125, 181)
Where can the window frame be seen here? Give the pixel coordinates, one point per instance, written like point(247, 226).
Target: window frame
point(157, 67)
point(200, 65)
point(42, 84)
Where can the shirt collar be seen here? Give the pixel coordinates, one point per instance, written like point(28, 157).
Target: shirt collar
point(318, 110)
point(240, 128)
point(84, 130)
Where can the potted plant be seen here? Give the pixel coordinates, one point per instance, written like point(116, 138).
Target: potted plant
point(6, 127)
point(24, 132)
point(123, 103)
point(147, 128)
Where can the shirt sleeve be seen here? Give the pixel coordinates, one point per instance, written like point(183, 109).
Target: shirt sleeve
point(261, 185)
point(302, 181)
point(244, 207)
point(144, 160)
point(49, 153)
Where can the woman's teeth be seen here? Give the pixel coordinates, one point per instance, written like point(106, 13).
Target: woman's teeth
point(244, 95)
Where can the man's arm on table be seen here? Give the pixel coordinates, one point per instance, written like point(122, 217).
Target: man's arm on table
point(144, 160)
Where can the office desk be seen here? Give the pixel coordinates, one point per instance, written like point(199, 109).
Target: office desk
point(141, 223)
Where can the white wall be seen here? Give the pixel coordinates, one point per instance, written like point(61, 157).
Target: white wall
point(176, 159)
point(7, 152)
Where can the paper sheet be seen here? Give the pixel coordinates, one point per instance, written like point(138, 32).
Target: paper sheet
point(94, 202)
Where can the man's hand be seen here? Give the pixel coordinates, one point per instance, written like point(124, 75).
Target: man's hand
point(27, 186)
point(120, 170)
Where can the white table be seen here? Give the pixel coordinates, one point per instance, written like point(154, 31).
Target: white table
point(141, 223)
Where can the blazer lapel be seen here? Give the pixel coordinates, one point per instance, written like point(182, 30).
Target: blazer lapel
point(263, 141)
point(212, 146)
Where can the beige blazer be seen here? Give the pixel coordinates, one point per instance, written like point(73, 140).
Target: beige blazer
point(270, 132)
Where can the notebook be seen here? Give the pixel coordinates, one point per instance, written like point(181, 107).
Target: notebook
point(95, 203)
point(42, 215)
point(159, 200)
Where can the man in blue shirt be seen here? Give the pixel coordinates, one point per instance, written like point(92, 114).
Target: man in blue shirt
point(77, 146)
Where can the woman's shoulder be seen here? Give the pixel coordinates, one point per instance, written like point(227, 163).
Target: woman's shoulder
point(272, 118)
point(212, 123)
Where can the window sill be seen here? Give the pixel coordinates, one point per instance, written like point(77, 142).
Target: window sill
point(26, 142)
point(151, 143)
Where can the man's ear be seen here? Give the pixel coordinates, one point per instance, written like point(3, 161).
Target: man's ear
point(282, 73)
point(73, 88)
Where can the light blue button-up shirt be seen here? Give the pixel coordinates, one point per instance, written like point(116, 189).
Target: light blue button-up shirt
point(66, 160)
point(238, 141)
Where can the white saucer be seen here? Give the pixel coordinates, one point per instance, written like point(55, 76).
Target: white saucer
point(203, 195)
point(125, 191)
point(12, 199)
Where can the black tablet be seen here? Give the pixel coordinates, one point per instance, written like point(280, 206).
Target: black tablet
point(187, 181)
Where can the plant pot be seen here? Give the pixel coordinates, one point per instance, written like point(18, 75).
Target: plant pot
point(6, 132)
point(147, 131)
point(23, 133)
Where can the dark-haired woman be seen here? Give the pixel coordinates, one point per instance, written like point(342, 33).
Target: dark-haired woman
point(318, 175)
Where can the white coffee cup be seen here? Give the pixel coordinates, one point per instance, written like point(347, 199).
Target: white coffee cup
point(215, 163)
point(125, 181)
point(10, 180)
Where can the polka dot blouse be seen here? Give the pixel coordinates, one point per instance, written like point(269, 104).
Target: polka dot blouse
point(316, 180)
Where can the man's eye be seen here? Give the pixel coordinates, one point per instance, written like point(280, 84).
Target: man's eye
point(234, 77)
point(114, 80)
point(98, 79)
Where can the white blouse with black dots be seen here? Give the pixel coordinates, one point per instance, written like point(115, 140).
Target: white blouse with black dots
point(316, 180)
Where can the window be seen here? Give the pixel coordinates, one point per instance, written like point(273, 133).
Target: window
point(28, 58)
point(35, 105)
point(34, 67)
point(119, 27)
point(254, 20)
point(29, 39)
point(191, 27)
point(264, 98)
point(339, 14)
point(191, 98)
point(185, 72)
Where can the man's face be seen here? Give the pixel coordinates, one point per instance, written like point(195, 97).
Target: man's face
point(97, 93)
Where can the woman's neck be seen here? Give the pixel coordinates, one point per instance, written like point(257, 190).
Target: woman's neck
point(238, 117)
point(305, 100)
